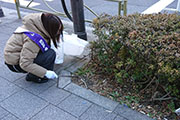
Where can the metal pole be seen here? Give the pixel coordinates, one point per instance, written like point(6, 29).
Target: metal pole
point(119, 7)
point(78, 18)
point(125, 7)
point(17, 8)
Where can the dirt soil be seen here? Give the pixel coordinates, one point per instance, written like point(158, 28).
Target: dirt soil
point(124, 95)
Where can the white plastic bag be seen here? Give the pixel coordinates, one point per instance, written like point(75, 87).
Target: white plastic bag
point(69, 45)
point(59, 51)
point(73, 45)
point(178, 111)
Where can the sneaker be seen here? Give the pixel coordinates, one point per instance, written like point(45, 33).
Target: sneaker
point(36, 80)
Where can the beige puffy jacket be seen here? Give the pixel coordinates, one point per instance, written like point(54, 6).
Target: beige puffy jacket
point(22, 50)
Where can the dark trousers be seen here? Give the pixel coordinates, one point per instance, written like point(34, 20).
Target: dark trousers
point(45, 60)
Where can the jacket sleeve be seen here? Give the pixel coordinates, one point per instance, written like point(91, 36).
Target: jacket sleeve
point(28, 53)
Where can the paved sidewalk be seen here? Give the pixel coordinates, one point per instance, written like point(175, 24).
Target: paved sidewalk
point(21, 100)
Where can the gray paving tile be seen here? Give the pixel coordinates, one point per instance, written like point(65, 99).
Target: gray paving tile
point(130, 114)
point(10, 16)
point(39, 88)
point(111, 116)
point(97, 113)
point(10, 117)
point(64, 81)
point(7, 89)
point(120, 118)
point(7, 74)
point(7, 29)
point(3, 113)
point(91, 96)
point(34, 88)
point(23, 104)
point(54, 95)
point(53, 113)
point(23, 83)
point(16, 23)
point(75, 105)
point(2, 58)
point(4, 38)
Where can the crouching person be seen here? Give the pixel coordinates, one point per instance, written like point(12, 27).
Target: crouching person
point(28, 49)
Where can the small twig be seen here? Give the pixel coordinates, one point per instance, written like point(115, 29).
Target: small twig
point(166, 95)
point(154, 95)
point(143, 82)
point(157, 84)
point(84, 82)
point(147, 85)
point(161, 99)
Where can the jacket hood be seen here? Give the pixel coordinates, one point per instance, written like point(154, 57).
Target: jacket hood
point(33, 22)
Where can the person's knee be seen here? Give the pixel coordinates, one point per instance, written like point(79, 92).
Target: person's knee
point(51, 55)
point(45, 58)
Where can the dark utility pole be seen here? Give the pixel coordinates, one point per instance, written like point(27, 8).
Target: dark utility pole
point(78, 18)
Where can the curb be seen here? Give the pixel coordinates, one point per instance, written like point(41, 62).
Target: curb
point(92, 96)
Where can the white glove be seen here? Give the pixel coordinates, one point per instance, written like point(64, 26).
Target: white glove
point(51, 74)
